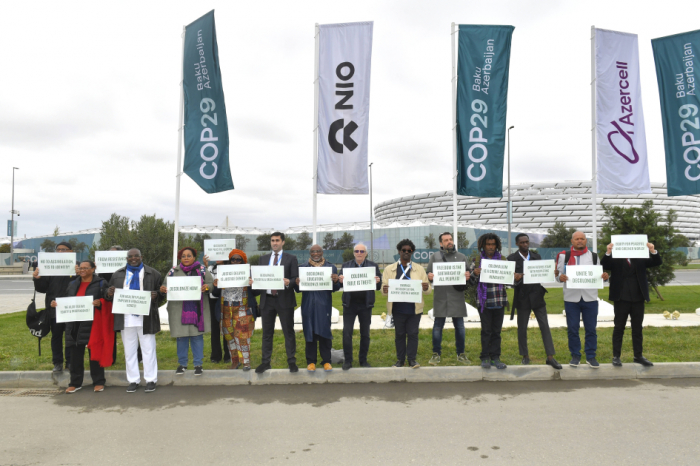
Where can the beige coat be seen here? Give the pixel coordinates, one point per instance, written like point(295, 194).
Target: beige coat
point(178, 330)
point(417, 273)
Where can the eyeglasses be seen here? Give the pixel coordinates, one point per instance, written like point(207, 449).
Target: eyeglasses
point(359, 251)
point(85, 268)
point(237, 260)
point(407, 250)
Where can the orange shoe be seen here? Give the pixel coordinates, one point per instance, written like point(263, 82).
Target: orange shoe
point(71, 390)
point(327, 367)
point(99, 388)
point(311, 367)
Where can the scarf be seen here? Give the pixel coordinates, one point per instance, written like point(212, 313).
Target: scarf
point(101, 344)
point(574, 255)
point(135, 283)
point(317, 264)
point(482, 288)
point(192, 310)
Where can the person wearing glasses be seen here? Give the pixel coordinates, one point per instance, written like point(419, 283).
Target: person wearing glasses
point(358, 304)
point(406, 315)
point(138, 330)
point(78, 333)
point(55, 287)
point(238, 311)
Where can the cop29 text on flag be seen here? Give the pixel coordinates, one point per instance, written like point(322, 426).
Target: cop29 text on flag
point(206, 125)
point(621, 140)
point(482, 97)
point(676, 68)
point(345, 58)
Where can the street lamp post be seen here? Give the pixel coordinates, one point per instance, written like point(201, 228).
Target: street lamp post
point(371, 215)
point(510, 203)
point(12, 222)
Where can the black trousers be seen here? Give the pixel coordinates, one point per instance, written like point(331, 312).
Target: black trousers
point(216, 337)
point(523, 320)
point(273, 308)
point(77, 368)
point(365, 316)
point(57, 348)
point(635, 310)
point(491, 325)
point(324, 346)
point(406, 326)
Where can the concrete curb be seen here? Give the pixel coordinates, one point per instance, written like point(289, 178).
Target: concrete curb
point(671, 370)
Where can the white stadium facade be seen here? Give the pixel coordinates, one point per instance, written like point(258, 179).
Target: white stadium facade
point(536, 207)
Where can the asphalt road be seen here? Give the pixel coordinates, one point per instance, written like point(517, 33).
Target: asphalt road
point(515, 423)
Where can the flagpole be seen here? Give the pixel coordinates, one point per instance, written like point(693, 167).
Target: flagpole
point(178, 171)
point(454, 143)
point(594, 184)
point(315, 155)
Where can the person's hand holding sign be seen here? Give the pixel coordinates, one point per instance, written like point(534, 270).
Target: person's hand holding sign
point(163, 289)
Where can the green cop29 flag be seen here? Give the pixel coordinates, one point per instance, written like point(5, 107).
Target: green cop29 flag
point(206, 126)
point(678, 91)
point(482, 95)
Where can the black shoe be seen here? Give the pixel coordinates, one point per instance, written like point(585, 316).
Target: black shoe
point(246, 368)
point(58, 367)
point(365, 364)
point(525, 361)
point(643, 361)
point(553, 362)
point(132, 387)
point(497, 362)
point(198, 370)
point(413, 364)
point(593, 362)
point(262, 368)
point(180, 370)
point(616, 361)
point(485, 364)
point(215, 361)
point(150, 387)
point(293, 367)
point(398, 364)
point(575, 361)
point(347, 366)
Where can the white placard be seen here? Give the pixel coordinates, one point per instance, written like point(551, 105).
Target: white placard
point(74, 309)
point(630, 246)
point(584, 277)
point(56, 264)
point(359, 279)
point(315, 278)
point(184, 288)
point(131, 302)
point(449, 273)
point(267, 277)
point(538, 271)
point(218, 249)
point(405, 291)
point(232, 276)
point(499, 272)
point(109, 261)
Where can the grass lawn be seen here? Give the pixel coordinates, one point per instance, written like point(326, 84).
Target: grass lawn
point(687, 267)
point(18, 349)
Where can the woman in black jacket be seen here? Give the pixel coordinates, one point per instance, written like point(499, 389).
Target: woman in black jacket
point(78, 333)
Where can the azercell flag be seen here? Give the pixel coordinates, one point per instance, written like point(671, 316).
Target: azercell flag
point(344, 65)
point(482, 98)
point(678, 89)
point(621, 139)
point(206, 125)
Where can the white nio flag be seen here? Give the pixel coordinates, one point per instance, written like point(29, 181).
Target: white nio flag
point(345, 58)
point(621, 147)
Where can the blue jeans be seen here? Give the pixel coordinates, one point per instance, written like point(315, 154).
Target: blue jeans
point(183, 346)
point(574, 313)
point(439, 324)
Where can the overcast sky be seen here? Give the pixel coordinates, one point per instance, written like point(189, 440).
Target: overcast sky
point(90, 95)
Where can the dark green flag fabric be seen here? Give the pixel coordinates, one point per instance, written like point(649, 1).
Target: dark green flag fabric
point(482, 96)
point(675, 71)
point(206, 126)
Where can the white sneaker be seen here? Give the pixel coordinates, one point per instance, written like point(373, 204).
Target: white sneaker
point(389, 322)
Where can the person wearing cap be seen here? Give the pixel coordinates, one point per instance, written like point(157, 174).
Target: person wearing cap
point(316, 310)
point(56, 287)
point(238, 311)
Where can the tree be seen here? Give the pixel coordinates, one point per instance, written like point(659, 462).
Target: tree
point(48, 246)
point(290, 244)
point(328, 241)
point(304, 240)
point(263, 242)
point(348, 255)
point(659, 229)
point(558, 236)
point(241, 242)
point(56, 231)
point(430, 241)
point(462, 242)
point(5, 248)
point(347, 241)
point(77, 246)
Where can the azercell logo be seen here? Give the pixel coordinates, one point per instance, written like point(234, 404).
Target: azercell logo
point(626, 118)
point(626, 136)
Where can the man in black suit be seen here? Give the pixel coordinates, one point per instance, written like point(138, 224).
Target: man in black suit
point(280, 303)
point(530, 298)
point(629, 289)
